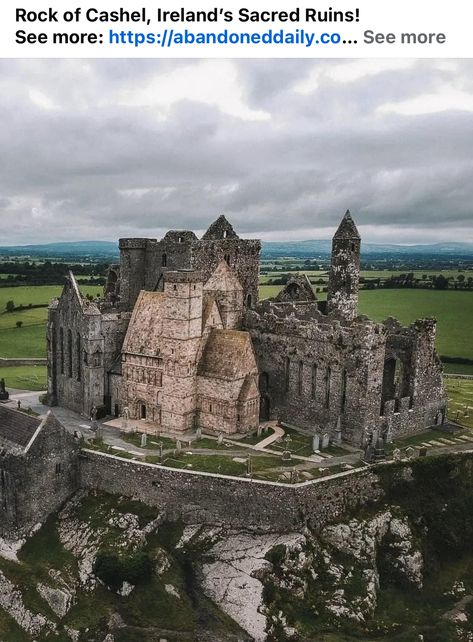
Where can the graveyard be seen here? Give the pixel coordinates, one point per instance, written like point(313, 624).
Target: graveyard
point(274, 453)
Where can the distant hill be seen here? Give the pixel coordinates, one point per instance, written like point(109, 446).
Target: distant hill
point(68, 250)
point(306, 249)
point(108, 250)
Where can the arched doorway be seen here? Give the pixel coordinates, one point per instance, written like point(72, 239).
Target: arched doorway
point(265, 408)
point(143, 411)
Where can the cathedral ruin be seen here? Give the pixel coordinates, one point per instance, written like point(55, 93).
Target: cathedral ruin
point(181, 340)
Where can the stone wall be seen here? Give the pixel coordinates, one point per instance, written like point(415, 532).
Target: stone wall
point(195, 497)
point(317, 372)
point(205, 498)
point(22, 362)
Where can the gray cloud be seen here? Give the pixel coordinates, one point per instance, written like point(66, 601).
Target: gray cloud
point(102, 149)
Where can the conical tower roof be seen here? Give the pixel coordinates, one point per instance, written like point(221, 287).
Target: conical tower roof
point(347, 228)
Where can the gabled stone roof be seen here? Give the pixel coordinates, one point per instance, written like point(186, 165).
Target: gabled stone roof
point(16, 427)
point(228, 354)
point(298, 288)
point(146, 324)
point(249, 388)
point(220, 229)
point(347, 228)
point(224, 279)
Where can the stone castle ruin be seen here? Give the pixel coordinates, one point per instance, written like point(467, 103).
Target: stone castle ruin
point(181, 341)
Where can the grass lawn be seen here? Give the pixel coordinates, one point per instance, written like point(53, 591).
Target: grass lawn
point(417, 440)
point(207, 463)
point(460, 395)
point(254, 438)
point(222, 464)
point(298, 445)
point(152, 442)
point(25, 377)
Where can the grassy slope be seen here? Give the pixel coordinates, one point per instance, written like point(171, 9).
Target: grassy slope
point(149, 605)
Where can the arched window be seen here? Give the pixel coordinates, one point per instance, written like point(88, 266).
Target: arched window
point(70, 354)
point(164, 260)
point(328, 377)
point(227, 258)
point(79, 360)
point(264, 382)
point(314, 380)
point(300, 376)
point(344, 390)
point(249, 300)
point(61, 349)
point(288, 373)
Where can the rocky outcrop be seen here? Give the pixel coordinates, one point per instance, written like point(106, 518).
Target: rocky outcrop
point(11, 601)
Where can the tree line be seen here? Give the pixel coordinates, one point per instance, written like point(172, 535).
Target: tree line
point(49, 273)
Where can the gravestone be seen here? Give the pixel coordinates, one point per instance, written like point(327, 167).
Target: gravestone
point(410, 452)
point(325, 440)
point(422, 451)
point(98, 431)
point(178, 446)
point(160, 446)
point(3, 393)
point(125, 417)
point(198, 434)
point(379, 452)
point(315, 443)
point(397, 454)
point(220, 439)
point(338, 431)
point(260, 430)
point(249, 466)
point(286, 455)
point(369, 454)
point(144, 440)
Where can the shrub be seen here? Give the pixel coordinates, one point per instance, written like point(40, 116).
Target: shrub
point(10, 306)
point(276, 555)
point(113, 570)
point(19, 324)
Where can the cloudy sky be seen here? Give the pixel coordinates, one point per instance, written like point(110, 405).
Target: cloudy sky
point(103, 149)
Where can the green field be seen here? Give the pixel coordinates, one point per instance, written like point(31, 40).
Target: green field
point(29, 340)
point(25, 377)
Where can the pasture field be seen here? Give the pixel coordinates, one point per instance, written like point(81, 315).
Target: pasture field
point(29, 340)
point(370, 274)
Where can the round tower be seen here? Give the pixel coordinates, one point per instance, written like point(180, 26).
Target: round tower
point(342, 296)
